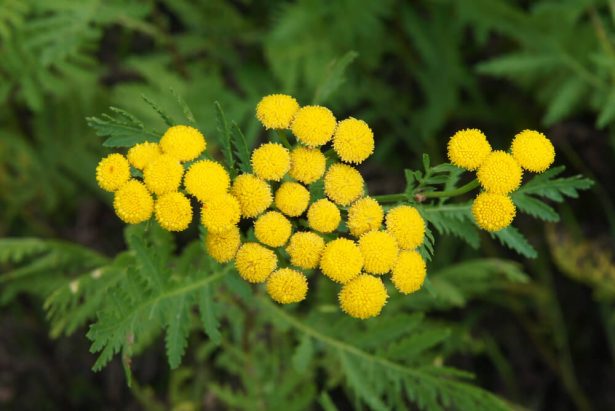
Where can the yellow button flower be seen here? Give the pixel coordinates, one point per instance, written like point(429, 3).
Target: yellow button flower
point(493, 212)
point(112, 172)
point(379, 250)
point(173, 211)
point(292, 199)
point(468, 148)
point(313, 125)
point(185, 143)
point(305, 249)
point(363, 297)
point(353, 140)
point(271, 161)
point(133, 203)
point(307, 165)
point(255, 262)
point(254, 194)
point(141, 154)
point(272, 229)
point(409, 272)
point(364, 215)
point(287, 286)
point(500, 173)
point(276, 111)
point(324, 216)
point(206, 179)
point(406, 225)
point(220, 213)
point(163, 174)
point(533, 151)
point(341, 260)
point(223, 246)
point(343, 184)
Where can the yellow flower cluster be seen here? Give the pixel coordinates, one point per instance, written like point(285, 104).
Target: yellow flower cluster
point(152, 186)
point(499, 173)
point(346, 235)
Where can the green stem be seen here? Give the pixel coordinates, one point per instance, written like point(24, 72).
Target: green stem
point(452, 193)
point(391, 198)
point(283, 139)
point(394, 198)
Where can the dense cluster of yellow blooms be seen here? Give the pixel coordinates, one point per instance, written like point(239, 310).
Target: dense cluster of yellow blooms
point(346, 236)
point(498, 172)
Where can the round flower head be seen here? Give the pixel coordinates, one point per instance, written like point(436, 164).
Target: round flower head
point(313, 125)
point(493, 212)
point(343, 184)
point(353, 140)
point(272, 229)
point(468, 148)
point(409, 272)
point(112, 172)
point(379, 250)
point(287, 286)
point(185, 143)
point(133, 203)
point(364, 215)
point(276, 111)
point(223, 246)
point(307, 164)
point(500, 173)
point(163, 174)
point(305, 249)
point(271, 161)
point(206, 179)
point(363, 297)
point(220, 213)
point(255, 262)
point(254, 194)
point(292, 199)
point(323, 216)
point(141, 154)
point(341, 260)
point(173, 211)
point(533, 151)
point(406, 225)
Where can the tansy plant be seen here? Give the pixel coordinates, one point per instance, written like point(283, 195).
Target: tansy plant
point(292, 223)
point(299, 211)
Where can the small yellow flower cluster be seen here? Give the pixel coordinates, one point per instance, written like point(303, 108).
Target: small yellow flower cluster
point(355, 262)
point(161, 168)
point(277, 197)
point(499, 173)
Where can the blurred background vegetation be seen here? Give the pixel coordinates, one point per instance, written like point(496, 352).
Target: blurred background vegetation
point(416, 72)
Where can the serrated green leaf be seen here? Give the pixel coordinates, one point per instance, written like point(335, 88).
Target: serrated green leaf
point(545, 185)
point(356, 380)
point(453, 220)
point(334, 77)
point(225, 139)
point(534, 207)
point(188, 114)
point(168, 120)
point(208, 314)
point(417, 343)
point(178, 328)
point(241, 148)
point(564, 101)
point(513, 239)
point(517, 63)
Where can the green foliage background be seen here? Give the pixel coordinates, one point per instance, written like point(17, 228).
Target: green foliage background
point(527, 332)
